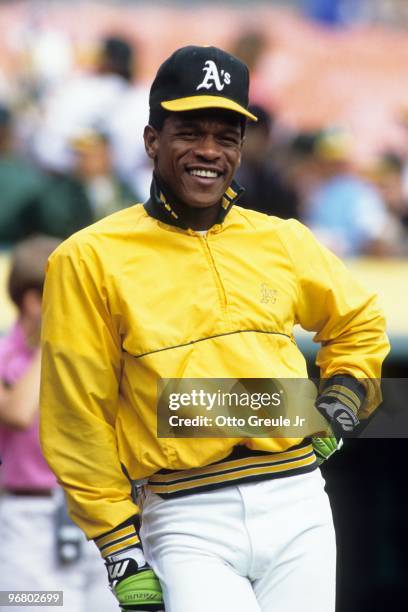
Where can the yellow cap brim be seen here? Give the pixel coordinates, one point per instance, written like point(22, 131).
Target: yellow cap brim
point(199, 102)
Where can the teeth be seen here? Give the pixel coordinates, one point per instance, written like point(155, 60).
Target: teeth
point(204, 173)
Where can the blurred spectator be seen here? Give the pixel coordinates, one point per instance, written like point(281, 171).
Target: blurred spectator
point(252, 46)
point(105, 101)
point(40, 548)
point(65, 205)
point(249, 47)
point(301, 167)
point(388, 175)
point(83, 102)
point(265, 188)
point(403, 122)
point(344, 211)
point(93, 168)
point(125, 129)
point(27, 197)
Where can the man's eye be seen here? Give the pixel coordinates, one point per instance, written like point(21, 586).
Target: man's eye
point(187, 135)
point(232, 141)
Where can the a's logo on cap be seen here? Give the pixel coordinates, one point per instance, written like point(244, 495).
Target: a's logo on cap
point(213, 77)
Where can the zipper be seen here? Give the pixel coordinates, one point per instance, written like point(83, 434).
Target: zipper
point(222, 296)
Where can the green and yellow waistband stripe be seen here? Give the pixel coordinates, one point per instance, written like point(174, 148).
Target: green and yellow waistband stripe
point(235, 471)
point(118, 540)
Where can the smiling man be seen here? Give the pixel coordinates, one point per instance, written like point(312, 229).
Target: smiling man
point(191, 286)
point(198, 111)
point(196, 154)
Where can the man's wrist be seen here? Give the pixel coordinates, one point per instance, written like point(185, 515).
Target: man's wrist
point(340, 401)
point(124, 536)
point(344, 388)
point(131, 578)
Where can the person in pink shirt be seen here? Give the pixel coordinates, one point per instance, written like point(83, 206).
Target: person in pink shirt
point(40, 548)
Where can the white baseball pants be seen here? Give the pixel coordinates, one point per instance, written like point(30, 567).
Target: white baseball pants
point(28, 559)
point(259, 547)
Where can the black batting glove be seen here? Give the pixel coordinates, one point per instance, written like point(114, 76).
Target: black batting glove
point(342, 419)
point(341, 398)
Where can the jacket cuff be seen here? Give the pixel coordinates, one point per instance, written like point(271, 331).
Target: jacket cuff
point(345, 389)
point(124, 536)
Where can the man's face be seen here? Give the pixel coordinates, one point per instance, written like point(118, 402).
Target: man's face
point(196, 154)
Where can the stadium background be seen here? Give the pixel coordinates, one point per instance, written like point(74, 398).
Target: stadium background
point(322, 64)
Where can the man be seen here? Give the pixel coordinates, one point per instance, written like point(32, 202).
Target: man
point(191, 286)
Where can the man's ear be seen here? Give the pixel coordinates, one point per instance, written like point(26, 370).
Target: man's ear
point(151, 139)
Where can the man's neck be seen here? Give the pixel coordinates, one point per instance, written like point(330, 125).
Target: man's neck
point(200, 219)
point(195, 218)
point(162, 205)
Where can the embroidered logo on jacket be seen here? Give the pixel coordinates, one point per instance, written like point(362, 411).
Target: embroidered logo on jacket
point(213, 77)
point(268, 295)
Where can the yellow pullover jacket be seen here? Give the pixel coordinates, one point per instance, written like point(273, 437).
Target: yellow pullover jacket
point(132, 299)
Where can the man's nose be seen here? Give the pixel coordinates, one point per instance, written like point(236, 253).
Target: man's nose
point(208, 148)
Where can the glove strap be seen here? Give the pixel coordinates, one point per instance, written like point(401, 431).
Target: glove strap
point(124, 536)
point(345, 389)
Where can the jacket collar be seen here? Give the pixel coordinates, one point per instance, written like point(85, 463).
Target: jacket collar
point(159, 205)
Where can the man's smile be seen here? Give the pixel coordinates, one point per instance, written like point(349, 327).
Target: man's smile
point(201, 172)
point(204, 176)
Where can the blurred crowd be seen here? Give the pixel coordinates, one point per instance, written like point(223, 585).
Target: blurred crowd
point(71, 152)
point(311, 176)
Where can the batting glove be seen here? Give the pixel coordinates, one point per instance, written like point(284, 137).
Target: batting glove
point(325, 447)
point(339, 402)
point(341, 418)
point(340, 399)
point(131, 578)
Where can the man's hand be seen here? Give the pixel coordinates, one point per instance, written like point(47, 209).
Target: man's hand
point(341, 398)
point(325, 447)
point(133, 581)
point(341, 418)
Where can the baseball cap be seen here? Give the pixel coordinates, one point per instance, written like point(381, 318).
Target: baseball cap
point(195, 78)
